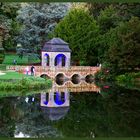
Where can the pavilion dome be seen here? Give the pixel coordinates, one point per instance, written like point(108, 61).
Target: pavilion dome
point(56, 45)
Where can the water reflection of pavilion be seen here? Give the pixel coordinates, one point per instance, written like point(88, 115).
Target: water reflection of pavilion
point(55, 104)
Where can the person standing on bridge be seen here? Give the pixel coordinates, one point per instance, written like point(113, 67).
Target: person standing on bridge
point(27, 70)
point(32, 70)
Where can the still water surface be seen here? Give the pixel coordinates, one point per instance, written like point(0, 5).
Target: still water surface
point(72, 110)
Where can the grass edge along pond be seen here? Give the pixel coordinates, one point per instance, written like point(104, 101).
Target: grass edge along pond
point(16, 81)
point(20, 61)
point(129, 80)
point(128, 77)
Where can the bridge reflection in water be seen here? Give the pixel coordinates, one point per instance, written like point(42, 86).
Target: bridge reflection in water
point(55, 103)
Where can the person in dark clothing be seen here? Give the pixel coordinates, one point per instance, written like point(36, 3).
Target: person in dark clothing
point(32, 70)
point(14, 62)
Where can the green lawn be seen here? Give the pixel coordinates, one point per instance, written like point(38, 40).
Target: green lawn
point(12, 75)
point(10, 57)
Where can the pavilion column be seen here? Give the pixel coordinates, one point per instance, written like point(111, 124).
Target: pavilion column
point(67, 61)
point(51, 102)
point(52, 62)
point(43, 99)
point(67, 100)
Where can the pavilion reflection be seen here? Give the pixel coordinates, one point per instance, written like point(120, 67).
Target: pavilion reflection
point(55, 103)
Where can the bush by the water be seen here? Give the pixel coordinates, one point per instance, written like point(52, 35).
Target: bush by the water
point(26, 83)
point(104, 76)
point(128, 77)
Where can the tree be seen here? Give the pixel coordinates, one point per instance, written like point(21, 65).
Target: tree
point(124, 10)
point(95, 8)
point(38, 20)
point(80, 30)
point(109, 16)
point(8, 13)
point(124, 52)
point(3, 36)
point(10, 44)
point(108, 19)
point(127, 10)
point(9, 9)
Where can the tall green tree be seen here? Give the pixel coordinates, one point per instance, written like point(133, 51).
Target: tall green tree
point(80, 30)
point(8, 13)
point(124, 10)
point(95, 8)
point(124, 49)
point(107, 21)
point(109, 16)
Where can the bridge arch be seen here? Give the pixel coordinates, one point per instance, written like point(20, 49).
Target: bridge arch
point(60, 78)
point(60, 60)
point(76, 78)
point(45, 76)
point(89, 78)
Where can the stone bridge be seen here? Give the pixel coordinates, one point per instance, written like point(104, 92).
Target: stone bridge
point(74, 71)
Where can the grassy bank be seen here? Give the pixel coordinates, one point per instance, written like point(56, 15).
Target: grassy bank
point(20, 61)
point(26, 83)
point(128, 77)
point(9, 75)
point(23, 92)
point(16, 81)
point(129, 80)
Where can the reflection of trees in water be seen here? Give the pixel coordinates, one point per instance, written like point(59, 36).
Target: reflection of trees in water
point(33, 122)
point(8, 115)
point(18, 116)
point(117, 115)
point(90, 114)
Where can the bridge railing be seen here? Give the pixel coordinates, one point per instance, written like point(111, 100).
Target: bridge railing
point(42, 69)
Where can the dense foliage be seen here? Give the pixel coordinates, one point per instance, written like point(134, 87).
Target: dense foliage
point(80, 30)
point(112, 41)
point(128, 78)
point(38, 20)
point(124, 50)
point(8, 13)
point(25, 83)
point(106, 33)
point(112, 113)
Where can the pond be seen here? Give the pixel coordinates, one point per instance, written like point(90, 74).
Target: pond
point(72, 110)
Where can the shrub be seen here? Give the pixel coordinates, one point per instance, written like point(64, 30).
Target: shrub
point(26, 83)
point(127, 77)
